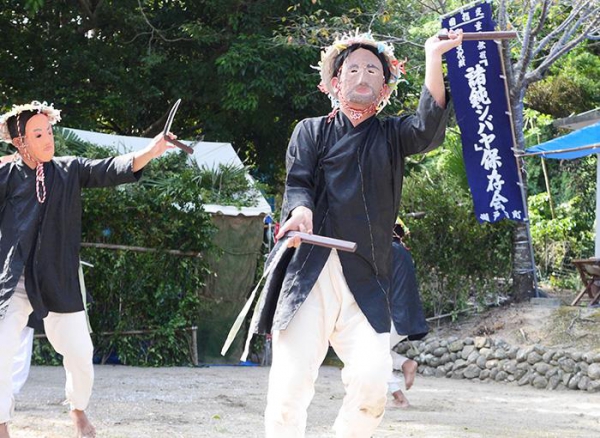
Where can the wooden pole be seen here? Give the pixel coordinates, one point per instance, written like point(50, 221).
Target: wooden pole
point(547, 181)
point(141, 249)
point(482, 36)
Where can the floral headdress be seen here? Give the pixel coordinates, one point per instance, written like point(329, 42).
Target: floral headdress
point(53, 117)
point(35, 106)
point(326, 65)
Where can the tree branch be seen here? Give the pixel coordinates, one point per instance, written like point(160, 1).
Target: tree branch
point(543, 17)
point(526, 50)
point(555, 32)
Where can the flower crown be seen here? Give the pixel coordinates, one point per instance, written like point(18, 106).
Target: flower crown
point(35, 106)
point(328, 56)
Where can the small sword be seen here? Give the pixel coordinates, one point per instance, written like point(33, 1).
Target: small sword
point(480, 36)
point(167, 129)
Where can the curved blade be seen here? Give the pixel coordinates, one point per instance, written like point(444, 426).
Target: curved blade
point(171, 117)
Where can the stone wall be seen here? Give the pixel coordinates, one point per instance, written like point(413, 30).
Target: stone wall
point(485, 359)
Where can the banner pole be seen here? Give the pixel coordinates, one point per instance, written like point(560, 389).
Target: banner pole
point(520, 162)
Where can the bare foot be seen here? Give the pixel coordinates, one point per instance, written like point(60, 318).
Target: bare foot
point(83, 427)
point(4, 430)
point(409, 369)
point(399, 400)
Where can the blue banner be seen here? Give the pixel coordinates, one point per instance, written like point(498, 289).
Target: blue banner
point(480, 102)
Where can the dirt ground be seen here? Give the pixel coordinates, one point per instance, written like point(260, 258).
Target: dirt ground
point(559, 327)
point(228, 401)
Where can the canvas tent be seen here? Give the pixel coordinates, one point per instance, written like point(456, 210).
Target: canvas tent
point(239, 236)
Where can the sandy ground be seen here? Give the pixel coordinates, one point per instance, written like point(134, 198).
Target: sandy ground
point(223, 401)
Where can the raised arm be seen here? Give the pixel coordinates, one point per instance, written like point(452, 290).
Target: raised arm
point(434, 76)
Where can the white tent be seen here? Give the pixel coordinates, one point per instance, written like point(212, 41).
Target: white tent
point(205, 153)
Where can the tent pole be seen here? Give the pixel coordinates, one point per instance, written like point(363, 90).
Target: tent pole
point(546, 180)
point(597, 245)
point(520, 162)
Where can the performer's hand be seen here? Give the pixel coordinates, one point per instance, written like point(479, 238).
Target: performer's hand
point(301, 219)
point(436, 47)
point(160, 144)
point(157, 146)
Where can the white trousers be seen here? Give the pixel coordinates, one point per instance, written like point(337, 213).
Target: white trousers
point(397, 360)
point(329, 315)
point(68, 334)
point(22, 360)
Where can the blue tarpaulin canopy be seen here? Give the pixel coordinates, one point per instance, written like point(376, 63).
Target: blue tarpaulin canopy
point(577, 144)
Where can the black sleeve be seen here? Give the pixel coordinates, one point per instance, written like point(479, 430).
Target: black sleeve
point(301, 163)
point(422, 131)
point(107, 172)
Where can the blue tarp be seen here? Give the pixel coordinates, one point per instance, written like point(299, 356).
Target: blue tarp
point(588, 136)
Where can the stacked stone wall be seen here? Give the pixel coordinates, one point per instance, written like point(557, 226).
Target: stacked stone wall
point(487, 359)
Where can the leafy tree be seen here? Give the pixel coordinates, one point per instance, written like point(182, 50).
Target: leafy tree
point(115, 66)
point(572, 87)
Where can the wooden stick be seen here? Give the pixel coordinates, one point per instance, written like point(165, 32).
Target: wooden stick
point(141, 249)
point(480, 36)
point(179, 144)
point(328, 242)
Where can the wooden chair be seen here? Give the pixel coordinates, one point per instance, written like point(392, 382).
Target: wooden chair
point(589, 271)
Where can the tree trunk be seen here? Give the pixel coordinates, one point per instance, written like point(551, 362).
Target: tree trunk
point(522, 274)
point(523, 270)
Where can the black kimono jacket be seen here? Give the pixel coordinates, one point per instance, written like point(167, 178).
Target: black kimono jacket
point(351, 179)
point(43, 240)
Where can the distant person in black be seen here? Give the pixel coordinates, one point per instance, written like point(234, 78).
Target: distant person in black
point(408, 317)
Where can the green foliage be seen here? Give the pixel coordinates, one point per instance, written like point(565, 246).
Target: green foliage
point(457, 259)
point(224, 185)
point(569, 233)
point(154, 291)
point(573, 86)
point(558, 239)
point(43, 353)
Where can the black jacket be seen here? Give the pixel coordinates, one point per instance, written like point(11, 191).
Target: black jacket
point(43, 240)
point(351, 178)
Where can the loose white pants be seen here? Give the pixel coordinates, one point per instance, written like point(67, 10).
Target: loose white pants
point(68, 334)
point(329, 315)
point(22, 360)
point(397, 360)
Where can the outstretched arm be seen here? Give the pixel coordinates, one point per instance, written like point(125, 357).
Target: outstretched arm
point(434, 77)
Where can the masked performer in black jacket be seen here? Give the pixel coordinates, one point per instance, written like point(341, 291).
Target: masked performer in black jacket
point(40, 233)
point(344, 179)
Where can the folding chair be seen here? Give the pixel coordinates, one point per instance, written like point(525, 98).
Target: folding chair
point(589, 271)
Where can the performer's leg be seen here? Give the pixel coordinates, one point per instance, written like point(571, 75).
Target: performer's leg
point(11, 327)
point(68, 333)
point(399, 362)
point(298, 352)
point(367, 367)
point(22, 361)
